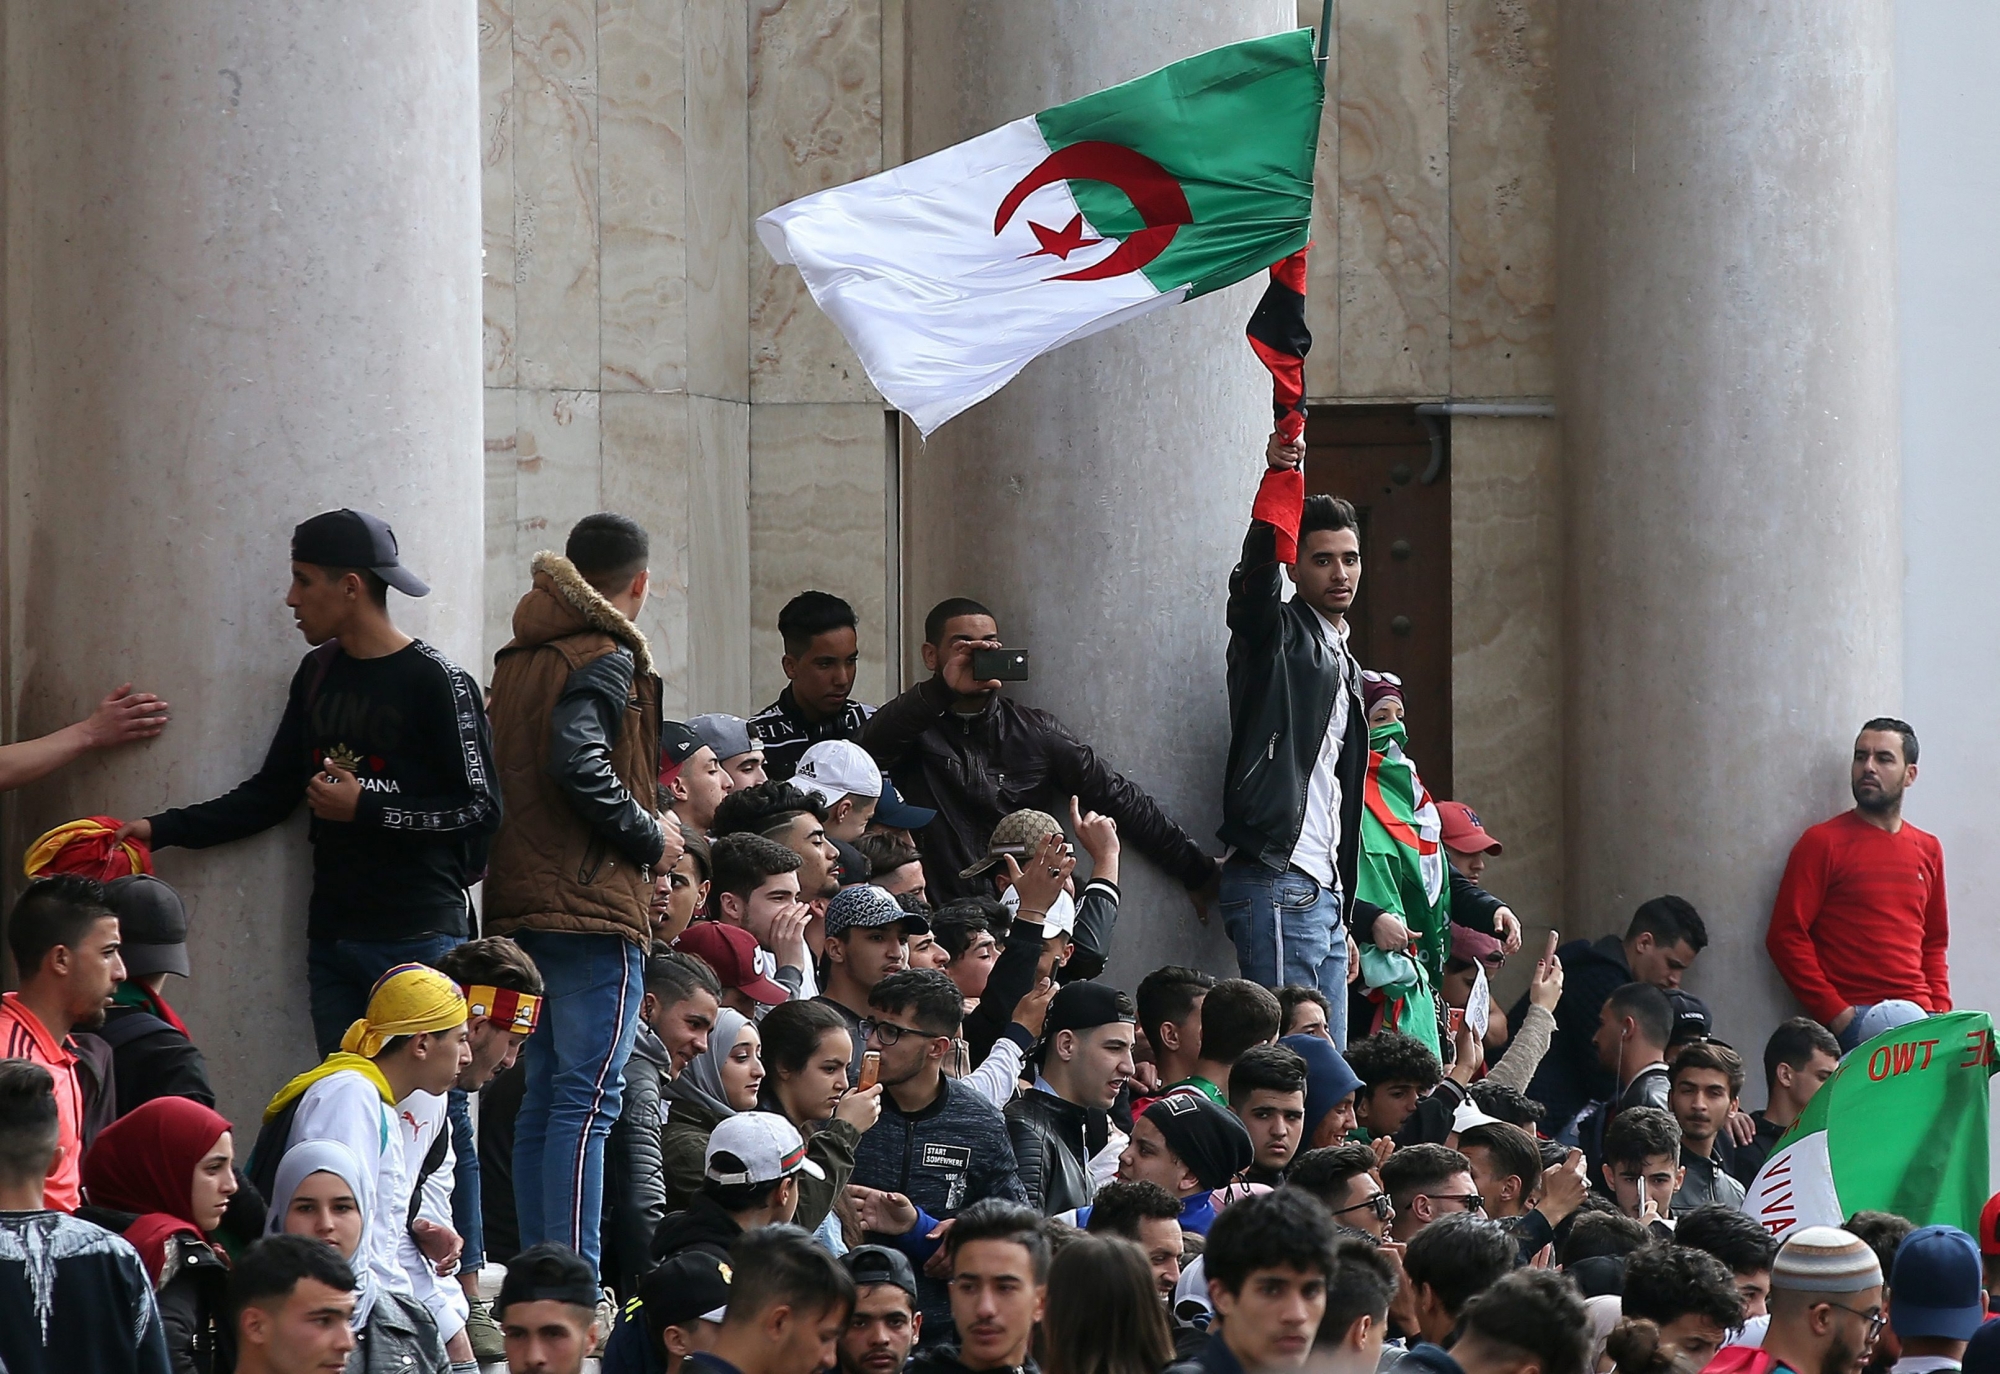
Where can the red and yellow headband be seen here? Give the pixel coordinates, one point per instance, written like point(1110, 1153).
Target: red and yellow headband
point(516, 1011)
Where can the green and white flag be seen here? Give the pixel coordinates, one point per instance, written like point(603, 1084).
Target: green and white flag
point(949, 274)
point(1401, 869)
point(1900, 1127)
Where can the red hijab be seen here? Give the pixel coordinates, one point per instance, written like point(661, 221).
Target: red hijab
point(144, 1162)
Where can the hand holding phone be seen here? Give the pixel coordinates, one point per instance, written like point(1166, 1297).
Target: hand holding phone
point(871, 1069)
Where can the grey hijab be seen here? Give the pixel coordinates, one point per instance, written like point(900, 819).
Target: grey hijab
point(702, 1080)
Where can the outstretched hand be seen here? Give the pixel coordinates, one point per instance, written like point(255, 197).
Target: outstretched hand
point(124, 716)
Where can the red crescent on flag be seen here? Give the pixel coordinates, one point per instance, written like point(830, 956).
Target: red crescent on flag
point(1152, 189)
point(1399, 829)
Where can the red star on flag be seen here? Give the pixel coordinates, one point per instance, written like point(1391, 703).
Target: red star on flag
point(1062, 242)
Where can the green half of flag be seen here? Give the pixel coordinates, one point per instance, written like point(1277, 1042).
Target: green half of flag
point(1900, 1127)
point(1234, 132)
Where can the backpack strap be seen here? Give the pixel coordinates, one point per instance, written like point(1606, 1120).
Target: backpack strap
point(433, 1161)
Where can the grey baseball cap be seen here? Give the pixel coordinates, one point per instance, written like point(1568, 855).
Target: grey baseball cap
point(727, 735)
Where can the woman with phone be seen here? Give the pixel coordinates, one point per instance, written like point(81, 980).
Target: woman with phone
point(807, 1049)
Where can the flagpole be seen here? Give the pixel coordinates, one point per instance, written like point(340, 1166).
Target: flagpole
point(1325, 30)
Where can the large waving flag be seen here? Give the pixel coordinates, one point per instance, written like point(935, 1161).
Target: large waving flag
point(1900, 1127)
point(949, 274)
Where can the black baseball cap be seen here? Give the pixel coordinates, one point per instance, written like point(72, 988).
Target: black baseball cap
point(355, 539)
point(152, 925)
point(1085, 1005)
point(869, 1265)
point(692, 1286)
point(1692, 1020)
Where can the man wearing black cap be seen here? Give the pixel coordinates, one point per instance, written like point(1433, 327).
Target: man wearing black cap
point(693, 781)
point(547, 1310)
point(884, 1324)
point(678, 1307)
point(1056, 1126)
point(151, 1054)
point(385, 740)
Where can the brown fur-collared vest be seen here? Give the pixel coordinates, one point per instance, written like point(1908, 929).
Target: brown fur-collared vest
point(549, 870)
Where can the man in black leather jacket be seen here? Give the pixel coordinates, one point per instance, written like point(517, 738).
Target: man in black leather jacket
point(1059, 1123)
point(964, 748)
point(1298, 751)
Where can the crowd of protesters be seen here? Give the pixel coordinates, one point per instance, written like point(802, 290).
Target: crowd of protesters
point(783, 1043)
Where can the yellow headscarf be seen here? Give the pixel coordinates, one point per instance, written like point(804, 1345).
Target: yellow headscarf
point(408, 1000)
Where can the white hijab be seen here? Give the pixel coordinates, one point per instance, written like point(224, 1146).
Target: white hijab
point(310, 1157)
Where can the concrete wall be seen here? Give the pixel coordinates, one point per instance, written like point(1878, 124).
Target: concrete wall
point(1948, 201)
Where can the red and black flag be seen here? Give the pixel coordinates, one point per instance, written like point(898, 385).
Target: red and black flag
point(1279, 336)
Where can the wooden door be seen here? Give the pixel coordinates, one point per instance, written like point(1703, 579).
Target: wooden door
point(1378, 458)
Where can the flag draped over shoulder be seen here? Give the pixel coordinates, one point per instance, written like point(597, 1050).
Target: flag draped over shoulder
point(1900, 1127)
point(949, 274)
point(1402, 870)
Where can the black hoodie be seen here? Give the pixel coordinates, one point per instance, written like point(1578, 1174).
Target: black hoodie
point(704, 1226)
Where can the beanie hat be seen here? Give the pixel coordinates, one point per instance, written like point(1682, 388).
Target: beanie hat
point(1825, 1259)
point(1211, 1142)
point(1328, 1079)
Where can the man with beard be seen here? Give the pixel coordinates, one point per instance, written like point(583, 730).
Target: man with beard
point(1826, 1308)
point(1859, 928)
point(65, 943)
point(884, 1323)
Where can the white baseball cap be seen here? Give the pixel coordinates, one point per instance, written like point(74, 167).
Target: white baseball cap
point(1061, 919)
point(756, 1147)
point(836, 768)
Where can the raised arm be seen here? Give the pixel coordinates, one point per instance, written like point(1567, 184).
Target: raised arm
point(1140, 820)
point(1256, 587)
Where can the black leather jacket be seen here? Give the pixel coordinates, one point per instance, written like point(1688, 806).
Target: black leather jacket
point(1283, 674)
point(1009, 756)
point(635, 1186)
point(1052, 1150)
point(587, 718)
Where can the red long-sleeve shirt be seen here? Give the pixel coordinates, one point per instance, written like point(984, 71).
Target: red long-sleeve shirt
point(1860, 918)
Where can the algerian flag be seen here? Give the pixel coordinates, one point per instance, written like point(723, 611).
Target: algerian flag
point(949, 274)
point(1900, 1127)
point(1401, 869)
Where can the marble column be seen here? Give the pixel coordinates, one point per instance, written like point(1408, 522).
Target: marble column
point(1728, 389)
point(1098, 502)
point(242, 286)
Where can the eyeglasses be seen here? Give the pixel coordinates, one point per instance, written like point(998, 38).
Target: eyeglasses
point(887, 1033)
point(1379, 1204)
point(1472, 1202)
point(1370, 675)
point(1874, 1316)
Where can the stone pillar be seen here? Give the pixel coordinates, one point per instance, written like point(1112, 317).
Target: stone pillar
point(242, 286)
point(1727, 384)
point(1098, 502)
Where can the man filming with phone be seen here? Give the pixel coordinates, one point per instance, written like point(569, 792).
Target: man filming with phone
point(957, 743)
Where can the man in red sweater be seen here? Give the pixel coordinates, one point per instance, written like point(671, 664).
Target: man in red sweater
point(1859, 928)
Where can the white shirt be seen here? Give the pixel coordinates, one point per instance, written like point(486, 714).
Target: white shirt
point(1319, 837)
point(420, 1119)
point(345, 1107)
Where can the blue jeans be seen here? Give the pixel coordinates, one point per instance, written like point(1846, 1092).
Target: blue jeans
point(575, 1068)
point(341, 973)
point(1287, 930)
